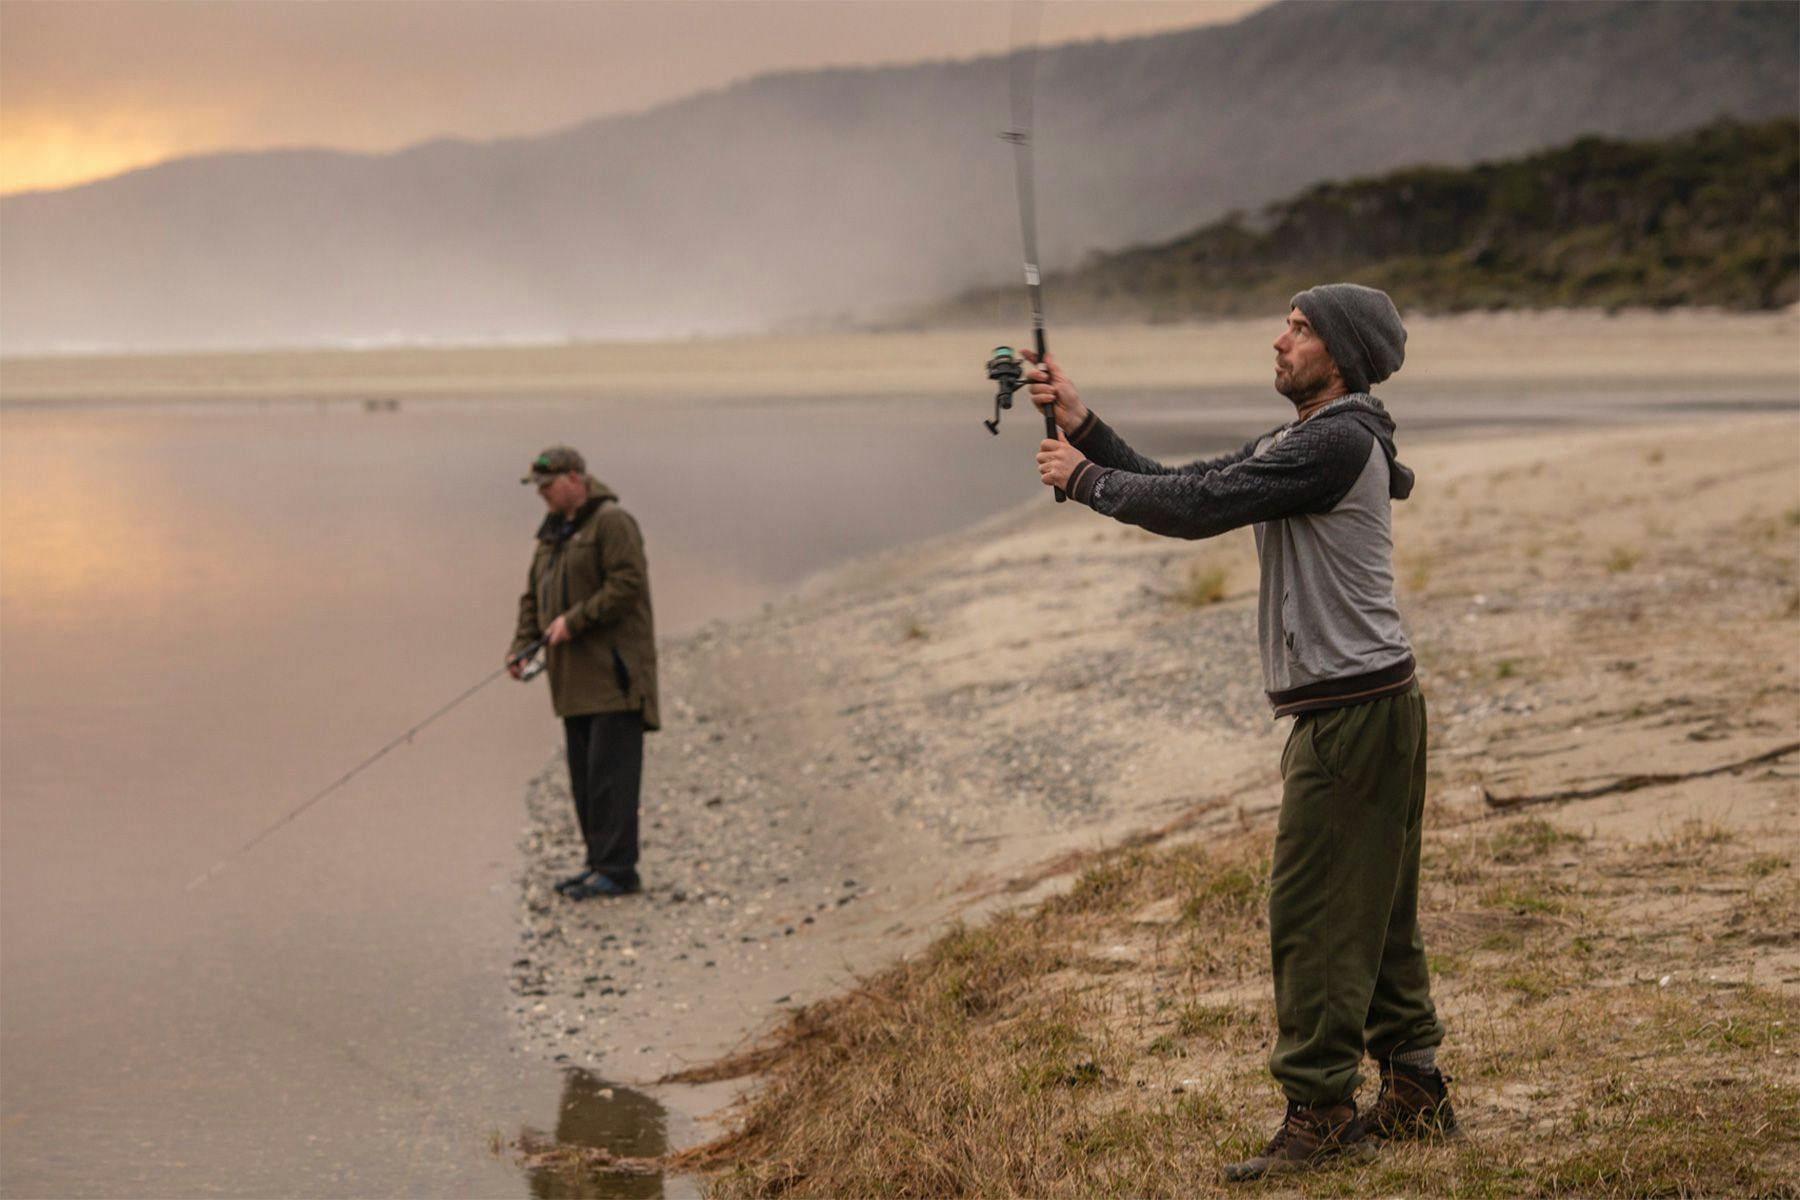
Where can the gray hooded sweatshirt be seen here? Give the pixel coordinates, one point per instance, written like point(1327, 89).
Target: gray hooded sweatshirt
point(1319, 493)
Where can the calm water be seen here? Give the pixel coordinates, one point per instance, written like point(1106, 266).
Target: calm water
point(208, 613)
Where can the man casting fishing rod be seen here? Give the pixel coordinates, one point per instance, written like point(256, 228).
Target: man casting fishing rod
point(1348, 962)
point(588, 597)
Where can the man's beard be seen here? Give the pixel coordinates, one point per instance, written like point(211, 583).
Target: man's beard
point(1302, 390)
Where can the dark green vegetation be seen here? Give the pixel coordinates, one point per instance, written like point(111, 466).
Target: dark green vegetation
point(1707, 218)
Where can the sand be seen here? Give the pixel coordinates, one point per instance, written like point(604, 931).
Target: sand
point(1663, 351)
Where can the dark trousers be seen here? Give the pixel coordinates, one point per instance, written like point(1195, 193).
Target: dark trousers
point(606, 766)
point(1348, 961)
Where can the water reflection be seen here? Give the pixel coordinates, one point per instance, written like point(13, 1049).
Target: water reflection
point(596, 1116)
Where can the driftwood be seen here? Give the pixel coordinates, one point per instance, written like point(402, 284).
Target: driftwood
point(1631, 783)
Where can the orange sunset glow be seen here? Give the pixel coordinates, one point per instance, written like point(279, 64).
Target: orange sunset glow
point(92, 89)
point(51, 153)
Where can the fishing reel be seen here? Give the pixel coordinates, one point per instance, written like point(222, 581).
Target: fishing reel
point(1007, 370)
point(533, 659)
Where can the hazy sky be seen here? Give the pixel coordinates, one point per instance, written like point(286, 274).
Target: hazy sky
point(90, 89)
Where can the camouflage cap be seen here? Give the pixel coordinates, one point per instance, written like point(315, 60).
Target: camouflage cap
point(555, 460)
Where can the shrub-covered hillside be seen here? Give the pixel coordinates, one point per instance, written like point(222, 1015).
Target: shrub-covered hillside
point(1708, 218)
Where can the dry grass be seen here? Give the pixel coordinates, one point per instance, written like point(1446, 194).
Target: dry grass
point(1623, 558)
point(1111, 1042)
point(996, 1061)
point(1202, 584)
point(1619, 992)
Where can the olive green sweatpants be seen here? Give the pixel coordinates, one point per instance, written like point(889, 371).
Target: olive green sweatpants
point(1349, 964)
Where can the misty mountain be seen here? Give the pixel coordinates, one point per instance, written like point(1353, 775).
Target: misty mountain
point(810, 196)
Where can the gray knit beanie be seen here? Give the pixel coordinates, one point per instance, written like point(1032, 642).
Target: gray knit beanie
point(1361, 328)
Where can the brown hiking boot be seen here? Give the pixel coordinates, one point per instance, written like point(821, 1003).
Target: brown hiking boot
point(1309, 1137)
point(1412, 1104)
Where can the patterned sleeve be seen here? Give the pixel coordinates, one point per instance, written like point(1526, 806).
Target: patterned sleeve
point(1308, 471)
point(1098, 440)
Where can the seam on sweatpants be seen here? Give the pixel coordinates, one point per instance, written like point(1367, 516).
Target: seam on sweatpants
point(1331, 870)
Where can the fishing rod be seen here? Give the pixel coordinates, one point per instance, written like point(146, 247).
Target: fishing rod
point(527, 658)
point(1004, 366)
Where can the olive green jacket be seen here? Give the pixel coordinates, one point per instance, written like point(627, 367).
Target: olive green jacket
point(591, 570)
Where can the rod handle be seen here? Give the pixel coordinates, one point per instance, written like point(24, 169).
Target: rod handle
point(1049, 413)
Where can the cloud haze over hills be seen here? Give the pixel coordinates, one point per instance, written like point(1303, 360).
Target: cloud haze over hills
point(808, 195)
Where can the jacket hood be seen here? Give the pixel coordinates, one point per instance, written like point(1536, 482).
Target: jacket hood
point(1372, 415)
point(598, 492)
point(555, 527)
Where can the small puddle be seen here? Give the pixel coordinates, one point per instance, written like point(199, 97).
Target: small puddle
point(597, 1123)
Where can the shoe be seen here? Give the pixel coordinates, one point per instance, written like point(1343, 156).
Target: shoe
point(1412, 1104)
point(1310, 1136)
point(597, 884)
point(563, 885)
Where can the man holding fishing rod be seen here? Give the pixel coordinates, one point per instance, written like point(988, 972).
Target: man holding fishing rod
point(587, 599)
point(1348, 962)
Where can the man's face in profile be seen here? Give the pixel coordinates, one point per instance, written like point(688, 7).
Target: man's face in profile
point(1303, 366)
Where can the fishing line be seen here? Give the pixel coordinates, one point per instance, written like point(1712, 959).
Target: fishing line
point(524, 656)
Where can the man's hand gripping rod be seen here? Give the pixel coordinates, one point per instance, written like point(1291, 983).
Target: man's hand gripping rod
point(532, 666)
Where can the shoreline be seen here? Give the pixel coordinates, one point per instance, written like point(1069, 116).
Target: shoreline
point(1578, 348)
point(852, 771)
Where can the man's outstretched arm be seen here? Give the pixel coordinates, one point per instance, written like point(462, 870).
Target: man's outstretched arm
point(1103, 445)
point(1309, 471)
point(1050, 385)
